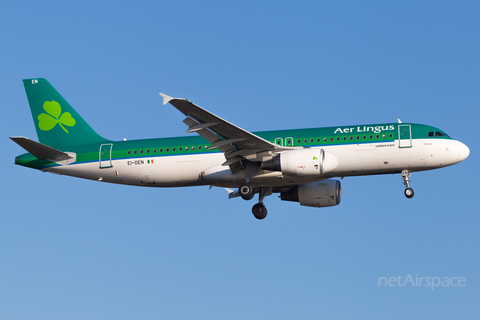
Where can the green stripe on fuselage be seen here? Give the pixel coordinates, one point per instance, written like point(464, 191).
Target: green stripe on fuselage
point(149, 148)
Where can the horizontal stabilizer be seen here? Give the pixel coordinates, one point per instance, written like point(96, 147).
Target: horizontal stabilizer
point(44, 152)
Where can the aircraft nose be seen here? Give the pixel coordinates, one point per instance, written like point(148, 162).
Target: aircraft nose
point(462, 151)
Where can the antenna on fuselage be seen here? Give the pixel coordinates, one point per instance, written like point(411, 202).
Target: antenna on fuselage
point(399, 121)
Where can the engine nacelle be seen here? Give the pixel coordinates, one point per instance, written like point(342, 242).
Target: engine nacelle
point(316, 194)
point(303, 163)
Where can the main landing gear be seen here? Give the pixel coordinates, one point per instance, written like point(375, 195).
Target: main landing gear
point(259, 211)
point(246, 192)
point(406, 181)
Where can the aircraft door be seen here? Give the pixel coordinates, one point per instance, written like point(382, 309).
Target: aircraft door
point(279, 141)
point(105, 155)
point(404, 136)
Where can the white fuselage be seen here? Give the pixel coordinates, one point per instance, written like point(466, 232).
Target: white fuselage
point(206, 169)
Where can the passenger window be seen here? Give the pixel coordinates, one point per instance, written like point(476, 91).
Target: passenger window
point(298, 141)
point(305, 141)
point(371, 137)
point(344, 138)
point(324, 139)
point(154, 150)
point(173, 150)
point(338, 138)
point(160, 150)
point(364, 137)
point(199, 147)
point(179, 149)
point(193, 148)
point(331, 139)
point(351, 138)
point(128, 152)
point(186, 148)
point(318, 140)
point(135, 152)
point(311, 140)
point(391, 135)
point(378, 136)
point(148, 151)
point(168, 149)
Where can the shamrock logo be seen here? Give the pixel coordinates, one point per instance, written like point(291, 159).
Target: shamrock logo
point(47, 121)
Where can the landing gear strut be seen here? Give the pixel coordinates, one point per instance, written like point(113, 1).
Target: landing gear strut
point(259, 210)
point(246, 192)
point(406, 181)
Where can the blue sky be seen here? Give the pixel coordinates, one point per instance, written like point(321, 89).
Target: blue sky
point(76, 249)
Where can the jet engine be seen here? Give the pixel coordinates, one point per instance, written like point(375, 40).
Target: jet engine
point(308, 162)
point(316, 194)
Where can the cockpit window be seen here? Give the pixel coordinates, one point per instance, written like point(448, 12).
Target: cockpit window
point(438, 134)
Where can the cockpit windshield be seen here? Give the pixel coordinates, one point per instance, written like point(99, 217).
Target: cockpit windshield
point(438, 134)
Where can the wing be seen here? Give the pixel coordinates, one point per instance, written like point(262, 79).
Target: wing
point(236, 143)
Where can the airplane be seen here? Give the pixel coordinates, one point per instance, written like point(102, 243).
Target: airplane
point(298, 164)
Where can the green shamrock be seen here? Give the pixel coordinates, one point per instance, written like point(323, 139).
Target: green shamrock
point(48, 121)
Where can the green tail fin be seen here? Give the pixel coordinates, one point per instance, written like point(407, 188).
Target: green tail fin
point(57, 123)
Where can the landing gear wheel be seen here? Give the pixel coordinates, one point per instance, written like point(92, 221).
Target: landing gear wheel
point(259, 211)
point(246, 191)
point(409, 193)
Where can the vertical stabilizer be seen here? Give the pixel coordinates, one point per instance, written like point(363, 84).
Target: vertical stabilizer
point(56, 122)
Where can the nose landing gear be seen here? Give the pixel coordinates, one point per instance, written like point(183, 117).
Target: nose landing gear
point(406, 181)
point(409, 193)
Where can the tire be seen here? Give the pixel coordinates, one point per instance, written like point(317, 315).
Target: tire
point(409, 193)
point(259, 211)
point(246, 191)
